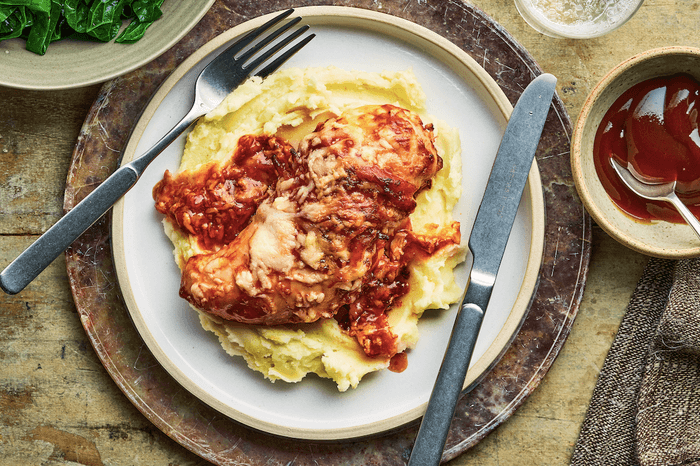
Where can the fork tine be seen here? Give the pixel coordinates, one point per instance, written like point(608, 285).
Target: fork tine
point(248, 39)
point(284, 57)
point(276, 48)
point(267, 39)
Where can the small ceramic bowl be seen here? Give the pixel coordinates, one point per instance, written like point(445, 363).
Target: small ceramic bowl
point(660, 238)
point(576, 19)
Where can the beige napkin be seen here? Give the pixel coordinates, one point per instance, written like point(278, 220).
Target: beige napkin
point(645, 408)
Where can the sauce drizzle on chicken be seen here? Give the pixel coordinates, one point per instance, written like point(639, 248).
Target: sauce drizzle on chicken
point(215, 203)
point(296, 237)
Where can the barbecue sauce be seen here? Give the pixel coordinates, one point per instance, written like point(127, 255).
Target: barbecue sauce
point(214, 204)
point(653, 128)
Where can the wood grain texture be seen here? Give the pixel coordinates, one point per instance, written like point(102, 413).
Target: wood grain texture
point(58, 406)
point(37, 134)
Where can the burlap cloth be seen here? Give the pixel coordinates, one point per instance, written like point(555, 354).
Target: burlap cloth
point(645, 408)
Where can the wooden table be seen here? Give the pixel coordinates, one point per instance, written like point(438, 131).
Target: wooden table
point(59, 406)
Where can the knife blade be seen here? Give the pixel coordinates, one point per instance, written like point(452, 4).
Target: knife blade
point(487, 243)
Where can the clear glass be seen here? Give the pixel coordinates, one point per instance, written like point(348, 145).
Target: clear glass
point(576, 19)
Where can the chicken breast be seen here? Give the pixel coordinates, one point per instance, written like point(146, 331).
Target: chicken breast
point(335, 224)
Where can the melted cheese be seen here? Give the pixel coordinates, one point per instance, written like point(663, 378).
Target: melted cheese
point(281, 252)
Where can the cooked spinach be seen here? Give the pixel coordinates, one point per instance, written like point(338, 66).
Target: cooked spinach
point(41, 22)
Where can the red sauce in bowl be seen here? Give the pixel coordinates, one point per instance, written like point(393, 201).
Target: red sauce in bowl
point(653, 128)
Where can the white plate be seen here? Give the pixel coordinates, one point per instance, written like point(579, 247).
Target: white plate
point(73, 63)
point(459, 92)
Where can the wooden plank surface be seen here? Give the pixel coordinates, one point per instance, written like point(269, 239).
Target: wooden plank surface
point(58, 406)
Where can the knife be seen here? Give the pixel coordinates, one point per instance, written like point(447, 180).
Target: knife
point(487, 243)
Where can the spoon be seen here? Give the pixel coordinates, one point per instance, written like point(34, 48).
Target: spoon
point(656, 192)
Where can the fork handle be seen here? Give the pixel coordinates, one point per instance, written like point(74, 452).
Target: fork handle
point(63, 233)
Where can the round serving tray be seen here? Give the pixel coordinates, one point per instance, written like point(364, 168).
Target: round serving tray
point(202, 429)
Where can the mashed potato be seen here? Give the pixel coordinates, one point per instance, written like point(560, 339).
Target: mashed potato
point(290, 103)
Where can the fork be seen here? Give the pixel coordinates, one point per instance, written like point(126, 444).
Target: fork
point(655, 192)
point(228, 70)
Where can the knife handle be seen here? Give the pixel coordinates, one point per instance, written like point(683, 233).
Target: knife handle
point(427, 450)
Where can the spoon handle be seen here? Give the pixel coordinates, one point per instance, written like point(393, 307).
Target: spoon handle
point(685, 212)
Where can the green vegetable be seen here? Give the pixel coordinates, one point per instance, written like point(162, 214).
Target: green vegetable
point(41, 22)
